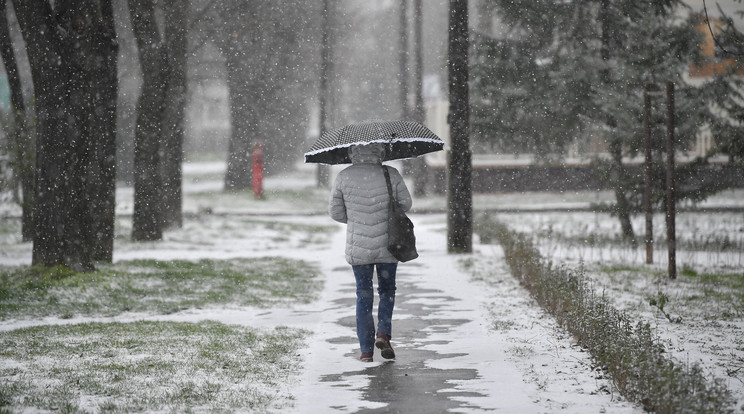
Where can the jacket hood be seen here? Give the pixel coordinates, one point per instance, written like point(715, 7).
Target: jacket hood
point(367, 154)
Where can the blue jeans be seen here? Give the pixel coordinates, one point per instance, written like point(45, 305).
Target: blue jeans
point(365, 298)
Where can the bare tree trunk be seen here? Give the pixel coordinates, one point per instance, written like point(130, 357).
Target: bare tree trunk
point(648, 175)
point(22, 142)
point(671, 203)
point(622, 206)
point(459, 194)
point(147, 222)
point(61, 71)
point(176, 18)
point(102, 121)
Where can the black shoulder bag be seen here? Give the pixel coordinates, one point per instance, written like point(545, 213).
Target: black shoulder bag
point(401, 240)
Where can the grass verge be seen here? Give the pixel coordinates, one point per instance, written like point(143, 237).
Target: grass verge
point(155, 286)
point(147, 366)
point(629, 351)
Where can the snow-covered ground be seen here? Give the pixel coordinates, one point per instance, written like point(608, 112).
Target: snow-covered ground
point(524, 362)
point(705, 302)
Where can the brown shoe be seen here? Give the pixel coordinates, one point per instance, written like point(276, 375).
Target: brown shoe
point(383, 344)
point(366, 357)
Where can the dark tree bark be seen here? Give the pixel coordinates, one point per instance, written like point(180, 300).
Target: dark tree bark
point(22, 142)
point(102, 122)
point(620, 179)
point(459, 194)
point(176, 18)
point(61, 44)
point(147, 222)
point(670, 201)
point(43, 48)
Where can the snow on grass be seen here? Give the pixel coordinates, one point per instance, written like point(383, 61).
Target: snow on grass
point(156, 286)
point(701, 315)
point(559, 374)
point(523, 359)
point(152, 366)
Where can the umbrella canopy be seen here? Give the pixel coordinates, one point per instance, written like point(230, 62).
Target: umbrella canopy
point(405, 139)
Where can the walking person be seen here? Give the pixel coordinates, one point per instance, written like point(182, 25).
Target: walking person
point(359, 199)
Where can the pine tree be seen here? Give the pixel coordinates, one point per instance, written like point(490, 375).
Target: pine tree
point(725, 114)
point(587, 64)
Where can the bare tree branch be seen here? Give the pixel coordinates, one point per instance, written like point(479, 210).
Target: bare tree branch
point(715, 40)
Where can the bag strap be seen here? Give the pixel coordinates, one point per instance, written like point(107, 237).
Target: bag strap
point(389, 186)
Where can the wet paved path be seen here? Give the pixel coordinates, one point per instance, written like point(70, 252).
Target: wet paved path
point(461, 345)
point(445, 360)
point(409, 384)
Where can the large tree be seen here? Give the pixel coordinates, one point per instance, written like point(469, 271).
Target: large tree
point(270, 51)
point(158, 147)
point(522, 102)
point(101, 118)
point(176, 14)
point(69, 45)
point(147, 221)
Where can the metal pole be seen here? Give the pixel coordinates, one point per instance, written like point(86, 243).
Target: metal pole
point(403, 59)
point(670, 197)
point(418, 73)
point(648, 176)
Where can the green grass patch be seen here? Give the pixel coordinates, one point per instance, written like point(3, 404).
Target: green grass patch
point(734, 281)
point(724, 290)
point(155, 286)
point(707, 296)
point(615, 268)
point(147, 366)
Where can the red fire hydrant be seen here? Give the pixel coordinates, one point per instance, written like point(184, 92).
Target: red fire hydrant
point(258, 170)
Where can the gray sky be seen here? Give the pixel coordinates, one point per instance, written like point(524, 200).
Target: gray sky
point(730, 7)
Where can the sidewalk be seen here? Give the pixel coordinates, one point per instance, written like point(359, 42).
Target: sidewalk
point(461, 345)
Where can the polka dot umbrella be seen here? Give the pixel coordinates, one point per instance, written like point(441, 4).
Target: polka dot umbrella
point(404, 139)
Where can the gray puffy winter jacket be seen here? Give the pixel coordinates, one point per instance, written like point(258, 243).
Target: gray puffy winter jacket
point(360, 199)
